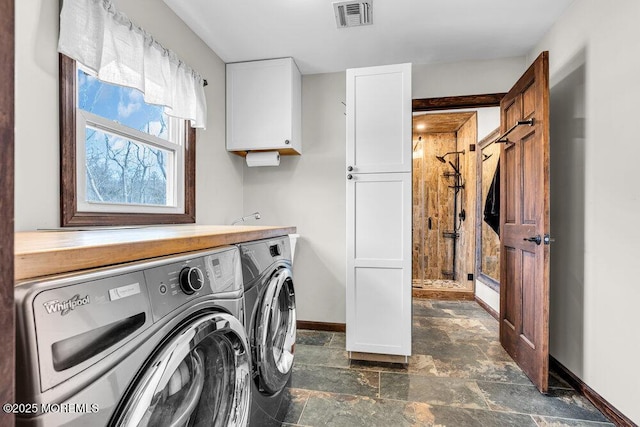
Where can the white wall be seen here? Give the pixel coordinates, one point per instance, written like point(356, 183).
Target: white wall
point(218, 174)
point(37, 182)
point(309, 191)
point(466, 78)
point(594, 69)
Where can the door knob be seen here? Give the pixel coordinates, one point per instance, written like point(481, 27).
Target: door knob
point(349, 168)
point(535, 239)
point(349, 176)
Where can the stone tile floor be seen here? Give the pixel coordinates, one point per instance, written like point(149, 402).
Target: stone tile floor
point(458, 376)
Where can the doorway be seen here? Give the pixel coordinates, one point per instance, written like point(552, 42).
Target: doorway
point(523, 219)
point(446, 222)
point(443, 198)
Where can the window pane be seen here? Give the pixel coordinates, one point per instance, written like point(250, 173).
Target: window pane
point(121, 104)
point(119, 170)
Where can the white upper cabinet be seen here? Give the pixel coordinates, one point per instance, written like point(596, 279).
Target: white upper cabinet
point(264, 105)
point(379, 119)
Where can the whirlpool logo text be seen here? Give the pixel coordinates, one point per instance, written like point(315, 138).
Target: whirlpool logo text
point(64, 307)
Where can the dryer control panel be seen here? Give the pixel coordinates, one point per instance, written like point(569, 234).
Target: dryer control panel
point(258, 256)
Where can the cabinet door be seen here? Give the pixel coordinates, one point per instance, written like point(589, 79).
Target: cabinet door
point(379, 263)
point(263, 105)
point(379, 210)
point(379, 119)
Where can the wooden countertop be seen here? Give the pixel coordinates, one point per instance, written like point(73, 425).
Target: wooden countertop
point(42, 253)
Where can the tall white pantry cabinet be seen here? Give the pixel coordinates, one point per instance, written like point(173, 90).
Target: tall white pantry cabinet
point(378, 179)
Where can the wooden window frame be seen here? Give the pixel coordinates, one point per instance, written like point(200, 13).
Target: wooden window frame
point(69, 214)
point(7, 172)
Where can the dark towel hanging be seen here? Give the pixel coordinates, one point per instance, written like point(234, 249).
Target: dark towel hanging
point(492, 203)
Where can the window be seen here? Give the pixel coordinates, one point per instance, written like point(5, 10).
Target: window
point(124, 162)
point(130, 153)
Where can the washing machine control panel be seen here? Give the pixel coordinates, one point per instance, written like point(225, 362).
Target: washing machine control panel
point(175, 284)
point(191, 280)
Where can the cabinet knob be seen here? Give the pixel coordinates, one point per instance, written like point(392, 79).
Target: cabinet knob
point(286, 141)
point(349, 176)
point(349, 168)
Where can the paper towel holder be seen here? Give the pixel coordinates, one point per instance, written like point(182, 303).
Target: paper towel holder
point(262, 158)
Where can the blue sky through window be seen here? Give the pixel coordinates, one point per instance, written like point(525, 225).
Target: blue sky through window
point(119, 169)
point(121, 104)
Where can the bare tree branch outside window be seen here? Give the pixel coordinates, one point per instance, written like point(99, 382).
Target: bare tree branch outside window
point(119, 170)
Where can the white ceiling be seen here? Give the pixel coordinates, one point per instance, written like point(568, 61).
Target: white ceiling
point(418, 31)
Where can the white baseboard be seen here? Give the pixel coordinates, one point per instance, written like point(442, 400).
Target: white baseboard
point(488, 296)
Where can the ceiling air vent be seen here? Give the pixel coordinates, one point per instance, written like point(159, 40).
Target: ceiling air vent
point(353, 13)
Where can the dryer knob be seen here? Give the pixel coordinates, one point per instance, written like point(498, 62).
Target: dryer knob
point(191, 280)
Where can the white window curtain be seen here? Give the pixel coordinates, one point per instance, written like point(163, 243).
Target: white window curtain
point(95, 34)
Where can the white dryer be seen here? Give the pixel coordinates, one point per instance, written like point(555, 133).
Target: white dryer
point(153, 343)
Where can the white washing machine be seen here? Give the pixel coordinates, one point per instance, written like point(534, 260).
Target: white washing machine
point(155, 343)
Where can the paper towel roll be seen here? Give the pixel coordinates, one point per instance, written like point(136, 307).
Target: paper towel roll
point(263, 158)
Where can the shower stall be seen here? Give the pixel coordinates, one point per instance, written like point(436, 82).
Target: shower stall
point(440, 206)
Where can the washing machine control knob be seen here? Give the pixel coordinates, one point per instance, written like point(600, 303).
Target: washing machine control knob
point(191, 280)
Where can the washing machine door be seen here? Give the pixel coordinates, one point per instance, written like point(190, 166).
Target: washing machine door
point(199, 378)
point(276, 332)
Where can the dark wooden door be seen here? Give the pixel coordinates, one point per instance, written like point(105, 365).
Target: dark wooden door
point(524, 222)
